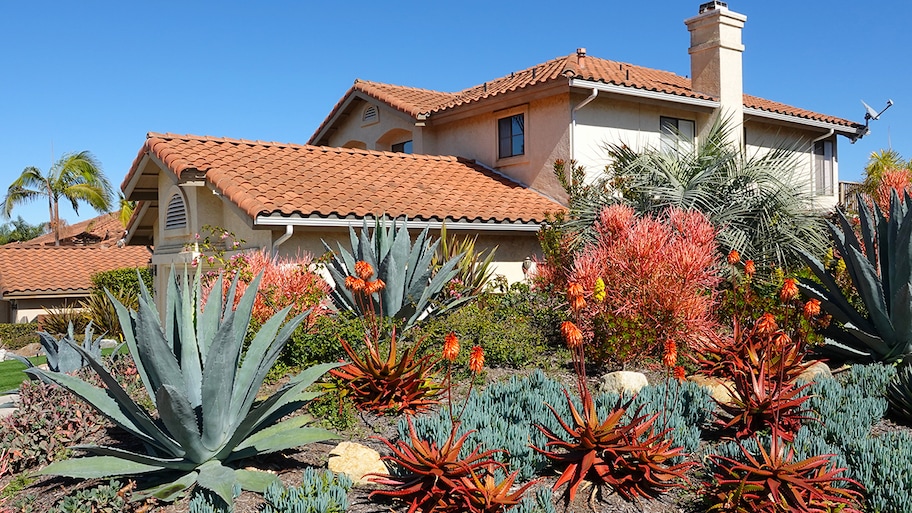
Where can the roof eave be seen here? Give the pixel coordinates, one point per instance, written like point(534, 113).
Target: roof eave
point(852, 132)
point(278, 219)
point(642, 93)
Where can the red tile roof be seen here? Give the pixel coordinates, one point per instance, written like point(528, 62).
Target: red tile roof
point(414, 101)
point(311, 181)
point(106, 227)
point(64, 270)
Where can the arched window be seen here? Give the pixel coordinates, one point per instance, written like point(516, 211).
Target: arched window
point(176, 215)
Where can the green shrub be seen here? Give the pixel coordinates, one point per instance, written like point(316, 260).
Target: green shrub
point(57, 320)
point(321, 491)
point(320, 343)
point(104, 498)
point(122, 279)
point(17, 336)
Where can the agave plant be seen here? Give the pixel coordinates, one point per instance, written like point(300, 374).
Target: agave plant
point(880, 267)
point(204, 387)
point(412, 291)
point(62, 355)
point(899, 391)
point(773, 482)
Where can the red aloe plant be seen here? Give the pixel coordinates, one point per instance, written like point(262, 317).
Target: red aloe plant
point(484, 494)
point(774, 482)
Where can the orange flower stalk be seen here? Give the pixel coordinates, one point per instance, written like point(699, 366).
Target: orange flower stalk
point(363, 270)
point(733, 257)
point(571, 334)
point(789, 290)
point(476, 359)
point(671, 354)
point(749, 268)
point(766, 323)
point(373, 287)
point(575, 293)
point(354, 284)
point(680, 373)
point(811, 308)
point(450, 347)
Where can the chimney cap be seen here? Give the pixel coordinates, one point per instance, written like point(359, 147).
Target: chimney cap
point(580, 51)
point(709, 6)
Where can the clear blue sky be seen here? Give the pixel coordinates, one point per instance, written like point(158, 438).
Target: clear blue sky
point(99, 75)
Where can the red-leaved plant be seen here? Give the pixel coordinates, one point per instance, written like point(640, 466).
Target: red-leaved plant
point(774, 482)
point(644, 280)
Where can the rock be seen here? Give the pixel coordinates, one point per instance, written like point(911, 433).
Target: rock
point(815, 372)
point(622, 381)
point(356, 461)
point(719, 388)
point(8, 405)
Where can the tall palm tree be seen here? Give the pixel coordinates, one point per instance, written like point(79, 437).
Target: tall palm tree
point(76, 177)
point(880, 162)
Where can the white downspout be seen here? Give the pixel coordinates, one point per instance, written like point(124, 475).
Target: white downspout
point(573, 120)
point(289, 229)
point(813, 176)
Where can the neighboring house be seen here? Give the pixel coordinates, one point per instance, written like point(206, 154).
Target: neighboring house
point(373, 154)
point(105, 228)
point(37, 277)
point(571, 107)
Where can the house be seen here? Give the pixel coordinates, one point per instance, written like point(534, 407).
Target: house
point(36, 275)
point(478, 159)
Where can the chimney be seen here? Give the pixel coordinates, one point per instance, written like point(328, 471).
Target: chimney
point(715, 58)
point(581, 57)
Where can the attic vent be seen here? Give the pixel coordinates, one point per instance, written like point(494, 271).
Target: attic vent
point(370, 115)
point(176, 217)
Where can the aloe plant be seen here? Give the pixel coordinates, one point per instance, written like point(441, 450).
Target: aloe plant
point(204, 387)
point(61, 355)
point(412, 291)
point(880, 267)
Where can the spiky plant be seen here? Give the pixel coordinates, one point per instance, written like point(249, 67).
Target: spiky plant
point(474, 270)
point(412, 291)
point(61, 355)
point(204, 387)
point(880, 266)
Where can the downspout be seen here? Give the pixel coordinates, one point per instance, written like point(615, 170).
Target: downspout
point(573, 120)
point(822, 137)
point(289, 229)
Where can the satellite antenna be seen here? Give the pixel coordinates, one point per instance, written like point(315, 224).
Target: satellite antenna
point(871, 114)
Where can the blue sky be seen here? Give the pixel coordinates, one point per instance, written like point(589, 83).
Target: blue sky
point(99, 75)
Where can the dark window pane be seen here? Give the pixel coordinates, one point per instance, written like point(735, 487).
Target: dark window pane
point(403, 147)
point(511, 136)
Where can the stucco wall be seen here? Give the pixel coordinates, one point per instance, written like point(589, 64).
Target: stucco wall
point(391, 127)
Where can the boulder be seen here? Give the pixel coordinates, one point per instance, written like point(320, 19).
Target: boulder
point(815, 371)
point(621, 382)
point(719, 388)
point(356, 460)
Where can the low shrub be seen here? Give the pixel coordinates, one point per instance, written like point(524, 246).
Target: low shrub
point(17, 336)
point(110, 497)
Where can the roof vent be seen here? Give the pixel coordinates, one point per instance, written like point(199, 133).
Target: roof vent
point(370, 115)
point(176, 216)
point(581, 57)
point(710, 6)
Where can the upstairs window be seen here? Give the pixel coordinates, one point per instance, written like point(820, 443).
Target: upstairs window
point(403, 147)
point(676, 132)
point(823, 168)
point(511, 136)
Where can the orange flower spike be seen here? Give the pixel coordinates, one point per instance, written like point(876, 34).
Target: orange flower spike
point(680, 373)
point(363, 270)
point(789, 290)
point(450, 347)
point(575, 293)
point(354, 284)
point(766, 323)
point(476, 359)
point(749, 268)
point(572, 334)
point(811, 308)
point(733, 257)
point(373, 287)
point(671, 354)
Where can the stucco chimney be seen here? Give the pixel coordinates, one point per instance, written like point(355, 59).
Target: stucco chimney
point(581, 57)
point(715, 58)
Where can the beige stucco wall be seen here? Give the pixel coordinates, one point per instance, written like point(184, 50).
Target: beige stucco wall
point(27, 310)
point(391, 127)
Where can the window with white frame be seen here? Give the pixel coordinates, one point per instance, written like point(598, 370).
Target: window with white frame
point(676, 131)
point(823, 168)
point(511, 136)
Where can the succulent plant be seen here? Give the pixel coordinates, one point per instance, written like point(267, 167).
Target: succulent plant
point(899, 391)
point(412, 290)
point(321, 491)
point(880, 267)
point(62, 355)
point(204, 386)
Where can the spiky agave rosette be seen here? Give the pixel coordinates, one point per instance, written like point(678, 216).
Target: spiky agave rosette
point(204, 387)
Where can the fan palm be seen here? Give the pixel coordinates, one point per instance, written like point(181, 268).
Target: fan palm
point(757, 204)
point(76, 177)
point(878, 163)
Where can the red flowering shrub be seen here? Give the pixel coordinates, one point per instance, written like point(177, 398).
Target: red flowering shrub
point(646, 280)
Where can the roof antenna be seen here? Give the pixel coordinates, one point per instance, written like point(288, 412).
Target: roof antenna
point(870, 115)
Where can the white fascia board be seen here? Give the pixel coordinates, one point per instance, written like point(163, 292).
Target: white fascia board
point(841, 129)
point(320, 222)
point(643, 93)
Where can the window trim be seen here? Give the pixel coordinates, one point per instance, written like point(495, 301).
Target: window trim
point(664, 142)
point(519, 158)
point(828, 173)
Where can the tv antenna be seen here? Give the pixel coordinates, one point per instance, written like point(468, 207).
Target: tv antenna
point(873, 115)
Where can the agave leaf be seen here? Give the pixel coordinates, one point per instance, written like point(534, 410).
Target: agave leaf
point(254, 480)
point(170, 490)
point(164, 463)
point(217, 478)
point(207, 318)
point(191, 367)
point(181, 420)
point(218, 383)
point(278, 437)
point(870, 288)
point(96, 467)
point(155, 352)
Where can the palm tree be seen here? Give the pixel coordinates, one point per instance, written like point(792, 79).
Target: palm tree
point(755, 201)
point(75, 177)
point(878, 163)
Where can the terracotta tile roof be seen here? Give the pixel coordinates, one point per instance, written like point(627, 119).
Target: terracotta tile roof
point(64, 270)
point(271, 178)
point(106, 227)
point(414, 101)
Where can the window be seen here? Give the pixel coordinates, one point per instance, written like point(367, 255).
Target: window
point(676, 131)
point(403, 147)
point(176, 216)
point(823, 168)
point(511, 136)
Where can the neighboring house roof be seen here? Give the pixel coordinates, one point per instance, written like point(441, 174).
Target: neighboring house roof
point(422, 102)
point(290, 180)
point(106, 227)
point(29, 271)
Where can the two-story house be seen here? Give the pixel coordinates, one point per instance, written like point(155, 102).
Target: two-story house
point(478, 159)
